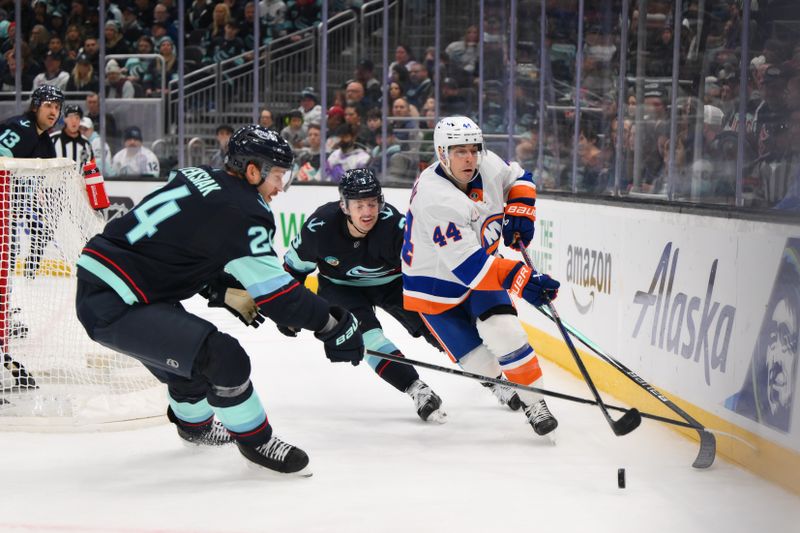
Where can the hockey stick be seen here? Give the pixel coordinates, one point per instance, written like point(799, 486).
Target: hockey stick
point(511, 384)
point(708, 443)
point(631, 419)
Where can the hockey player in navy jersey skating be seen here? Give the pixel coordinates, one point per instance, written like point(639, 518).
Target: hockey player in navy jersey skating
point(132, 277)
point(355, 243)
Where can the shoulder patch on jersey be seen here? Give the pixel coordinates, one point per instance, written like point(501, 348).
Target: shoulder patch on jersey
point(386, 213)
point(314, 223)
point(332, 261)
point(25, 122)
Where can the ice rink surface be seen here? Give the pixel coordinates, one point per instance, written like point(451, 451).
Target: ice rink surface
point(378, 468)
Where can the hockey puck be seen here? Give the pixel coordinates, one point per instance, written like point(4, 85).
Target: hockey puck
point(621, 478)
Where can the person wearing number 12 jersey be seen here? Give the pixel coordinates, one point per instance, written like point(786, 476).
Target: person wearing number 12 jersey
point(461, 206)
point(132, 277)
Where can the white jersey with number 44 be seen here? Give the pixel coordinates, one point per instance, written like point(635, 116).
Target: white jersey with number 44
point(451, 237)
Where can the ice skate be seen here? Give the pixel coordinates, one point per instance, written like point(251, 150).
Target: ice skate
point(208, 433)
point(505, 395)
point(278, 456)
point(540, 418)
point(19, 378)
point(427, 402)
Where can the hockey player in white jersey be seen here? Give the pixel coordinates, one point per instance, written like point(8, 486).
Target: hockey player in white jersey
point(460, 208)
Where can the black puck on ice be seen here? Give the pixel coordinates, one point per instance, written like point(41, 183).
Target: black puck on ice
point(621, 478)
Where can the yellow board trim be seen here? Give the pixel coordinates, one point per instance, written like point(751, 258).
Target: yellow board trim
point(769, 460)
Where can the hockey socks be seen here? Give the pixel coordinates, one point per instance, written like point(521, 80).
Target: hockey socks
point(196, 424)
point(397, 375)
point(241, 412)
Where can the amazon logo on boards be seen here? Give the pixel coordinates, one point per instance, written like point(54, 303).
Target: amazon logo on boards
point(590, 269)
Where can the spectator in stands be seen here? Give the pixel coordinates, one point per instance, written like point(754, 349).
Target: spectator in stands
point(83, 77)
point(227, 46)
point(144, 12)
point(115, 43)
point(402, 172)
point(365, 74)
point(223, 134)
point(307, 159)
point(405, 127)
point(93, 112)
point(354, 95)
point(56, 45)
point(402, 55)
point(592, 171)
point(772, 110)
point(464, 53)
point(294, 132)
point(57, 23)
point(234, 6)
point(399, 74)
point(135, 159)
point(421, 85)
point(246, 26)
point(304, 14)
point(38, 41)
point(395, 92)
point(199, 14)
point(9, 38)
point(353, 116)
point(335, 120)
point(73, 41)
point(309, 106)
point(273, 15)
point(117, 86)
point(92, 50)
point(162, 15)
point(348, 155)
point(265, 119)
point(131, 28)
point(52, 75)
point(103, 157)
point(153, 80)
point(8, 71)
point(374, 121)
point(137, 67)
point(221, 15)
point(452, 101)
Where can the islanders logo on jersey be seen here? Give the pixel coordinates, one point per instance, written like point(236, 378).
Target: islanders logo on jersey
point(491, 231)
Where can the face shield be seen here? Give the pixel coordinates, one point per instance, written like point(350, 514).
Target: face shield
point(286, 178)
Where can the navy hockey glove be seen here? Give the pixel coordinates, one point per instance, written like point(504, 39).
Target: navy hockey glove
point(343, 342)
point(537, 289)
point(289, 331)
point(237, 301)
point(520, 214)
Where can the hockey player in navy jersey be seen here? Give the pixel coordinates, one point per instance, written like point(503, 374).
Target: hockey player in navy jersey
point(355, 243)
point(27, 136)
point(132, 277)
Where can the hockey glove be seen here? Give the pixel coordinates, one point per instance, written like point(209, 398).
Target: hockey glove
point(520, 214)
point(537, 289)
point(237, 301)
point(343, 342)
point(289, 331)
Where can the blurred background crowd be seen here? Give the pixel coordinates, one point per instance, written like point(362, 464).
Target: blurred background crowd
point(693, 100)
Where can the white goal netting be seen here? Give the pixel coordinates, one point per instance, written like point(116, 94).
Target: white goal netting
point(53, 375)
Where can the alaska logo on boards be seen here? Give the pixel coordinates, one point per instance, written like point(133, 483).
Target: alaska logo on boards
point(591, 269)
point(693, 327)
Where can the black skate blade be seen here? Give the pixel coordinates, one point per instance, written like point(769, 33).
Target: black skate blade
point(629, 421)
point(304, 473)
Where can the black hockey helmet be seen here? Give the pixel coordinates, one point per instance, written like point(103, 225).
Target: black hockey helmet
point(360, 183)
point(73, 108)
point(46, 93)
point(262, 147)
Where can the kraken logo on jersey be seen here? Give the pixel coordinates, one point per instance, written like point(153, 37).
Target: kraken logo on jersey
point(491, 231)
point(314, 223)
point(364, 272)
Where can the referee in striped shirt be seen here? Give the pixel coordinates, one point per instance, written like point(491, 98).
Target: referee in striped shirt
point(69, 142)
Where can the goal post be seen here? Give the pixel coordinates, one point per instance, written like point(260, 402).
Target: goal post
point(53, 376)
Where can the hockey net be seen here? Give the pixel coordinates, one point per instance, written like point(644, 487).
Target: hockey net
point(53, 375)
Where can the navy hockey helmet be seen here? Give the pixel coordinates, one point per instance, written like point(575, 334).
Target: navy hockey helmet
point(46, 93)
point(360, 183)
point(262, 147)
point(73, 108)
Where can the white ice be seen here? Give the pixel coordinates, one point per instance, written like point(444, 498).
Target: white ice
point(378, 468)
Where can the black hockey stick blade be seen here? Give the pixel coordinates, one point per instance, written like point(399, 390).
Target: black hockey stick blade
point(708, 450)
point(629, 421)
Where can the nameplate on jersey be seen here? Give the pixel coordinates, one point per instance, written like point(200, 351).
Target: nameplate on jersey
point(202, 180)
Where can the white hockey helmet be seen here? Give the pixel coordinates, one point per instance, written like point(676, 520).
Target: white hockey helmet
point(454, 131)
